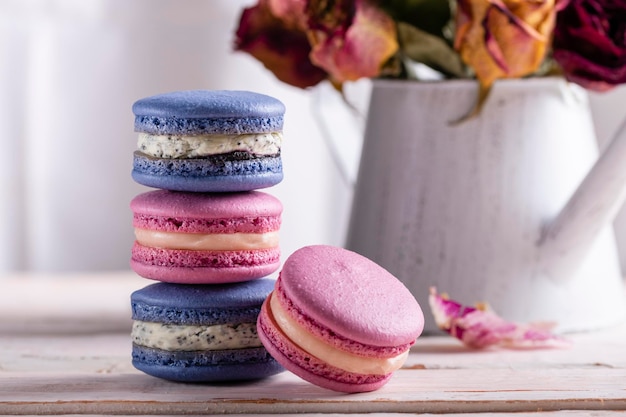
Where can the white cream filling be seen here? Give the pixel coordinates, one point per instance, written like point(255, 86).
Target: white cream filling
point(329, 354)
point(173, 146)
point(198, 241)
point(173, 337)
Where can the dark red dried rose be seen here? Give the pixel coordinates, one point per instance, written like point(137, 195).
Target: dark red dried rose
point(279, 44)
point(590, 43)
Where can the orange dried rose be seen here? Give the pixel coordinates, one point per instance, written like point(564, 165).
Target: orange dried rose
point(504, 38)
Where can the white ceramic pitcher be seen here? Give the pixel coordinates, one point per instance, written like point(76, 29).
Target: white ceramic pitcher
point(509, 208)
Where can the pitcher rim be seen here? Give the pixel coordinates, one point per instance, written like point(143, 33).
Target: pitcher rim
point(472, 83)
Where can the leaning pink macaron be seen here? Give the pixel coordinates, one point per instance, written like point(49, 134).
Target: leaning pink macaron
point(205, 238)
point(338, 320)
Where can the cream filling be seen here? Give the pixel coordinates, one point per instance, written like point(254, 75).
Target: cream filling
point(329, 354)
point(173, 146)
point(198, 241)
point(174, 337)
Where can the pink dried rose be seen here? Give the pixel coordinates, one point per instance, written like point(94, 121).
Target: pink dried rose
point(590, 43)
point(350, 39)
point(478, 327)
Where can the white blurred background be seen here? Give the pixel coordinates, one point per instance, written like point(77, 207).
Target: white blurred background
point(69, 73)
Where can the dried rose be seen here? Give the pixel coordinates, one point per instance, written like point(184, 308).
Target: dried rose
point(478, 327)
point(280, 44)
point(590, 43)
point(503, 38)
point(351, 39)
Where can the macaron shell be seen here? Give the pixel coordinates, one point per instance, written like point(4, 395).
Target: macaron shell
point(208, 111)
point(352, 296)
point(207, 175)
point(225, 184)
point(331, 337)
point(206, 275)
point(201, 304)
point(205, 205)
point(198, 104)
point(233, 365)
point(308, 367)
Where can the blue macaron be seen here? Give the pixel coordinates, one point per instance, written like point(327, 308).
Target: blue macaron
point(208, 141)
point(201, 333)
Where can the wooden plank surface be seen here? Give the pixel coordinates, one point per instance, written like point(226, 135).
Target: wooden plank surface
point(87, 374)
point(409, 392)
point(69, 368)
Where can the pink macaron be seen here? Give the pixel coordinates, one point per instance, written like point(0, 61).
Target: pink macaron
point(205, 238)
point(339, 320)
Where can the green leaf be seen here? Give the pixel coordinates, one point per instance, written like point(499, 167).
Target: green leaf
point(433, 51)
point(428, 15)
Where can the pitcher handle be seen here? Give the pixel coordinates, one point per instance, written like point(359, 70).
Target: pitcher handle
point(597, 201)
point(342, 125)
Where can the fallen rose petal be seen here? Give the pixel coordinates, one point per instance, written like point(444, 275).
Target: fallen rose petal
point(481, 328)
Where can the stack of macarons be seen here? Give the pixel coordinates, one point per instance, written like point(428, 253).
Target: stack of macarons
point(206, 234)
point(210, 238)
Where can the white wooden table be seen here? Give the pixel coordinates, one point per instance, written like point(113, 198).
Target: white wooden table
point(65, 349)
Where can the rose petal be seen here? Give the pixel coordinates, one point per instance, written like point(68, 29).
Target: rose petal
point(481, 328)
point(291, 12)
